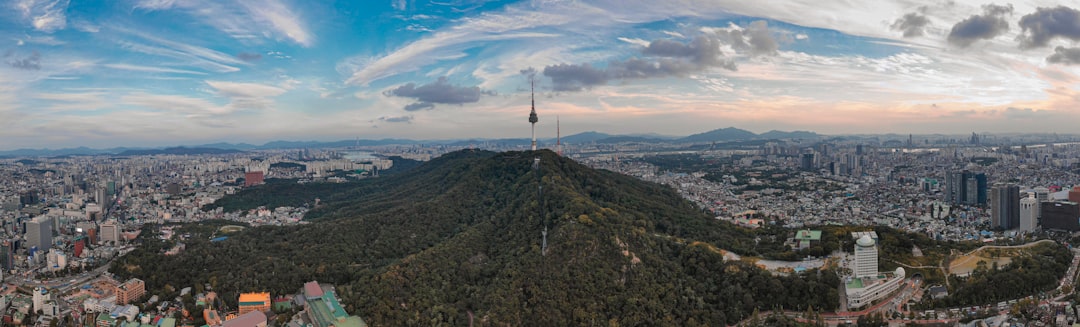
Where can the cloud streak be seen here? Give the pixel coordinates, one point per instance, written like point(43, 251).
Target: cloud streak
point(151, 69)
point(245, 20)
point(196, 56)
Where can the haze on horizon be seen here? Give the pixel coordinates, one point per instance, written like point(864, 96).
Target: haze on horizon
point(166, 72)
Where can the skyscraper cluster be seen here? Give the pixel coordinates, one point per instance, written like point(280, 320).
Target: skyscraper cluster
point(965, 187)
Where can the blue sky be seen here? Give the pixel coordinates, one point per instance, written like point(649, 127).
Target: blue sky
point(167, 72)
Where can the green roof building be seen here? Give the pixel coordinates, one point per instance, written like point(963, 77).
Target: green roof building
point(325, 311)
point(105, 320)
point(805, 238)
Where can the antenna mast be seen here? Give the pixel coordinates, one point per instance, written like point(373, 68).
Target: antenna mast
point(532, 114)
point(558, 137)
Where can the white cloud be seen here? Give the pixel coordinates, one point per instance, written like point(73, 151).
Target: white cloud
point(44, 40)
point(246, 20)
point(74, 101)
point(635, 41)
point(246, 95)
point(245, 90)
point(85, 26)
point(674, 34)
point(193, 107)
point(44, 15)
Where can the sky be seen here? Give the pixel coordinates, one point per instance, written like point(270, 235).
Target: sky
point(175, 72)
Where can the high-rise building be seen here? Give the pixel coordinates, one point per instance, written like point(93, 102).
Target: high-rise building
point(39, 297)
point(1005, 206)
point(1042, 194)
point(965, 188)
point(80, 245)
point(100, 197)
point(807, 162)
point(7, 260)
point(1029, 213)
point(110, 232)
point(39, 233)
point(866, 257)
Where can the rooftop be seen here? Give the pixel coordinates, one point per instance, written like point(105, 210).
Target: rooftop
point(254, 298)
point(249, 319)
point(312, 290)
point(855, 283)
point(810, 235)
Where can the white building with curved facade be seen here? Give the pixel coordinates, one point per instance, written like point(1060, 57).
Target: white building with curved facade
point(866, 257)
point(866, 284)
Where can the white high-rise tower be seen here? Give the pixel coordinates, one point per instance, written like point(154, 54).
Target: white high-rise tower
point(866, 257)
point(532, 115)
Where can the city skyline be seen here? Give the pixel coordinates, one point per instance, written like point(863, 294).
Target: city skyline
point(162, 72)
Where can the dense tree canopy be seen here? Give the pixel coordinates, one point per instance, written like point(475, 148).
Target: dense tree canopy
point(463, 234)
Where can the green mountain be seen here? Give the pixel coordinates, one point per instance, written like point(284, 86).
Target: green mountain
point(461, 236)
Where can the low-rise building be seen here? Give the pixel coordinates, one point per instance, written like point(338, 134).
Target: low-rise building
point(806, 238)
point(130, 291)
point(249, 302)
point(865, 290)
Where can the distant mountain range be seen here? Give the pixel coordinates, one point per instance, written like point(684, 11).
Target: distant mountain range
point(728, 134)
point(178, 151)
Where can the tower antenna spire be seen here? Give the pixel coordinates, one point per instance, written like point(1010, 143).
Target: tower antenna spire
point(532, 114)
point(558, 136)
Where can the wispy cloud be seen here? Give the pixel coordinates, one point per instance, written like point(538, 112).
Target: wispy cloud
point(515, 23)
point(44, 15)
point(149, 69)
point(74, 101)
point(242, 19)
point(246, 95)
point(192, 55)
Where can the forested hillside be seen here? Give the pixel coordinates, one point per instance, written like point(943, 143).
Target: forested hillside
point(462, 234)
